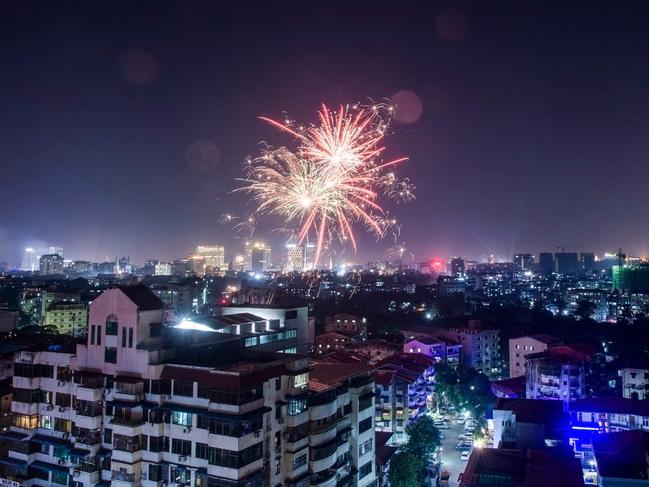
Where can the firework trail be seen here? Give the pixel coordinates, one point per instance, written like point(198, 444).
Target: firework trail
point(333, 179)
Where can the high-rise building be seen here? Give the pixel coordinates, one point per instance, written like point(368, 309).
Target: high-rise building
point(587, 261)
point(56, 250)
point(294, 257)
point(51, 264)
point(297, 260)
point(524, 261)
point(257, 256)
point(567, 263)
point(546, 263)
point(30, 260)
point(634, 280)
point(209, 404)
point(213, 257)
point(164, 269)
point(457, 267)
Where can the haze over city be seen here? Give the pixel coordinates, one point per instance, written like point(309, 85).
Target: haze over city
point(125, 125)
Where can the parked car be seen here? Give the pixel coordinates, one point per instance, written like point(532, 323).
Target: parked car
point(460, 420)
point(465, 455)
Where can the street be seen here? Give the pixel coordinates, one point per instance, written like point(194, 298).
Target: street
point(450, 456)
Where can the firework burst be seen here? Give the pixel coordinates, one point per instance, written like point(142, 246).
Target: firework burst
point(334, 178)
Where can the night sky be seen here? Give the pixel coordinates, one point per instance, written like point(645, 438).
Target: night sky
point(124, 124)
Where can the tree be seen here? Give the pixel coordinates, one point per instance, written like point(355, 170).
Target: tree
point(404, 469)
point(423, 438)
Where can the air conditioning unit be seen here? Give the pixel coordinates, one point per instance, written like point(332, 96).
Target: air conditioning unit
point(187, 430)
point(61, 461)
point(280, 420)
point(257, 434)
point(61, 409)
point(182, 458)
point(61, 383)
point(49, 407)
point(76, 472)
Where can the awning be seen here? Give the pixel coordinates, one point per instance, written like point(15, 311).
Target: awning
point(50, 440)
point(46, 467)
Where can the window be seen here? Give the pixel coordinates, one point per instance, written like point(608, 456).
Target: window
point(181, 418)
point(295, 405)
point(365, 447)
point(201, 451)
point(365, 425)
point(98, 335)
point(45, 422)
point(299, 461)
point(111, 325)
point(203, 391)
point(365, 470)
point(181, 447)
point(158, 443)
point(62, 425)
point(278, 383)
point(108, 435)
point(291, 314)
point(130, 338)
point(123, 337)
point(110, 355)
point(183, 388)
point(92, 335)
point(233, 459)
point(300, 380)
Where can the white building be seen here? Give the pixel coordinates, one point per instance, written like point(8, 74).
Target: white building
point(525, 345)
point(480, 348)
point(143, 403)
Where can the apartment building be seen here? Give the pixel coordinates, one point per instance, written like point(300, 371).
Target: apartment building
point(213, 403)
point(404, 391)
point(440, 350)
point(559, 373)
point(341, 425)
point(480, 348)
point(526, 345)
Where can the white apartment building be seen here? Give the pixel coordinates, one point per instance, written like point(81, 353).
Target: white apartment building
point(143, 403)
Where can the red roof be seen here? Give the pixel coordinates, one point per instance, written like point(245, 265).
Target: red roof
point(325, 376)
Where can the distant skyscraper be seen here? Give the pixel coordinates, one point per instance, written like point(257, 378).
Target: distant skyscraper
point(259, 257)
point(567, 263)
point(30, 260)
point(294, 257)
point(51, 264)
point(587, 261)
point(56, 250)
point(163, 269)
point(457, 267)
point(524, 261)
point(213, 257)
point(546, 263)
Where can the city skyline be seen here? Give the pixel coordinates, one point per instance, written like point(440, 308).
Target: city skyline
point(149, 134)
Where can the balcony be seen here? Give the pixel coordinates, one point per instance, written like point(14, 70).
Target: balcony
point(323, 457)
point(323, 436)
point(324, 479)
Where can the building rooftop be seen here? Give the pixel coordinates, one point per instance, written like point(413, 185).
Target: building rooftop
point(324, 376)
point(568, 354)
point(383, 452)
point(142, 297)
point(614, 405)
point(545, 338)
point(622, 455)
point(532, 410)
point(522, 468)
point(513, 386)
